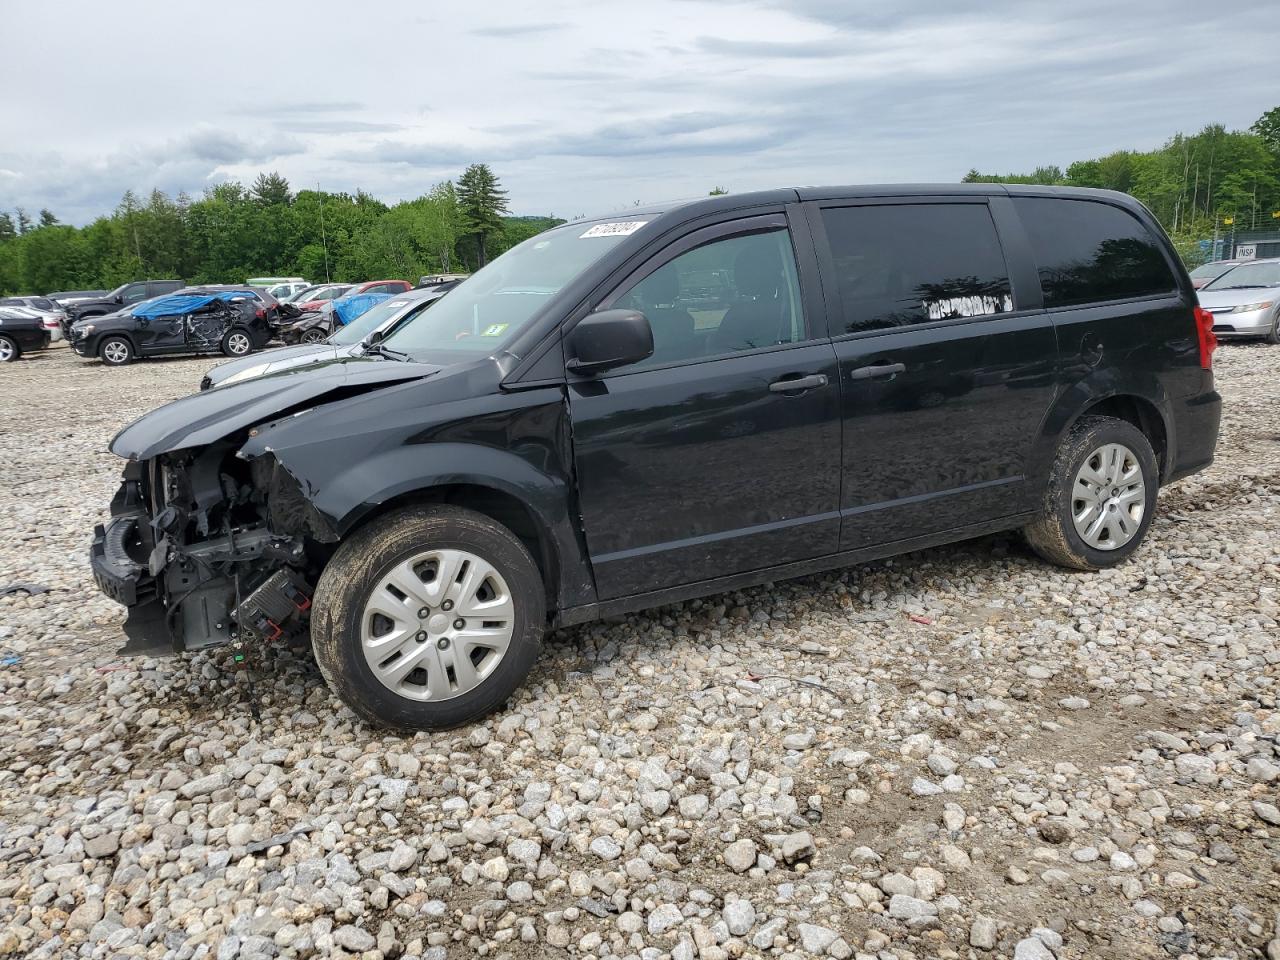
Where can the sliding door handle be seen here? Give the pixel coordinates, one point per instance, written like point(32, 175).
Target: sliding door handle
point(877, 372)
point(796, 384)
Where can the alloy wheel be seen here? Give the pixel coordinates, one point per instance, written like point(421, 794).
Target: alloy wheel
point(7, 351)
point(437, 624)
point(115, 352)
point(1109, 497)
point(238, 343)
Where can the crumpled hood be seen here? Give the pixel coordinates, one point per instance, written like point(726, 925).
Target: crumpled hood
point(210, 415)
point(1212, 299)
point(273, 361)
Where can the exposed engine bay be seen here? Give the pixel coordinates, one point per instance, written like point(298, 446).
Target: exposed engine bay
point(205, 547)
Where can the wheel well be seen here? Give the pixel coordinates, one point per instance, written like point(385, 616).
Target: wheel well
point(1143, 415)
point(103, 338)
point(498, 506)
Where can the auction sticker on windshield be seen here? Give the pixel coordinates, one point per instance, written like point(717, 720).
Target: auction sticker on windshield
point(621, 228)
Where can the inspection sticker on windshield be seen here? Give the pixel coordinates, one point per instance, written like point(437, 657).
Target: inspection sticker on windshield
point(494, 329)
point(622, 228)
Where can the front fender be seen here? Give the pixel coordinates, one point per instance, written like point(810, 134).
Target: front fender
point(350, 459)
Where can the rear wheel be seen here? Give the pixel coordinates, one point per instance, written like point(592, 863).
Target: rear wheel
point(428, 618)
point(116, 351)
point(237, 342)
point(1100, 498)
point(9, 349)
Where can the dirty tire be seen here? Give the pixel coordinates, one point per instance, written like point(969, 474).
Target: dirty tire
point(119, 354)
point(313, 335)
point(361, 563)
point(9, 349)
point(237, 342)
point(1053, 534)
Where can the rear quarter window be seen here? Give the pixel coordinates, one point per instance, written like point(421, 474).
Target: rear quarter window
point(1091, 252)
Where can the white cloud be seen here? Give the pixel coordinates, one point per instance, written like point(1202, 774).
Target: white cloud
point(591, 106)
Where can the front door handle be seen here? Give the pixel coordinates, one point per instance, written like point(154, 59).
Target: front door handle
point(876, 372)
point(796, 384)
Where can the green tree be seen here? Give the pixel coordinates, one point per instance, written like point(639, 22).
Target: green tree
point(483, 202)
point(1268, 128)
point(271, 188)
point(7, 229)
point(24, 221)
point(718, 192)
point(47, 219)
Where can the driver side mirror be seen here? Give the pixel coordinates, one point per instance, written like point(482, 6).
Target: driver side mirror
point(608, 339)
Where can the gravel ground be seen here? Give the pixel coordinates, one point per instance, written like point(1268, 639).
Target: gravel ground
point(958, 753)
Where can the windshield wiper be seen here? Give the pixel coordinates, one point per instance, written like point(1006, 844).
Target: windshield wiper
point(1244, 286)
point(382, 350)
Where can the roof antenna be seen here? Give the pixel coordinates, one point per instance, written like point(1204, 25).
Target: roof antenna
point(323, 241)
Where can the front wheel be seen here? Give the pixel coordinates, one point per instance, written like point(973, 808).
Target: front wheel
point(1100, 498)
point(313, 335)
point(237, 342)
point(428, 618)
point(116, 351)
point(1273, 336)
point(9, 350)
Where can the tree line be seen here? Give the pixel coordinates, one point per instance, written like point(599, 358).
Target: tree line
point(1217, 182)
point(233, 232)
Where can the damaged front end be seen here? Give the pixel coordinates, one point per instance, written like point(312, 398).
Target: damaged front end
point(205, 548)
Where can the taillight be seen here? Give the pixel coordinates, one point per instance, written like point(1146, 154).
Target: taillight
point(1208, 342)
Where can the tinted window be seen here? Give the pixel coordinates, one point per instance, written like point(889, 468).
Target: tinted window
point(902, 264)
point(1089, 252)
point(739, 293)
point(135, 292)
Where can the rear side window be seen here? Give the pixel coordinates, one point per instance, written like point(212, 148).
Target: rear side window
point(903, 264)
point(1088, 252)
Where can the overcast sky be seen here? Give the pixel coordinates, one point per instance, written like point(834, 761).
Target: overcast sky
point(585, 107)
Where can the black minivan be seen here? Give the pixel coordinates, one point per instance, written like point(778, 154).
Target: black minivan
point(581, 429)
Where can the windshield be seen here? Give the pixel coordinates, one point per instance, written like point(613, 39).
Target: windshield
point(1211, 270)
point(118, 291)
point(488, 309)
point(369, 321)
point(1248, 275)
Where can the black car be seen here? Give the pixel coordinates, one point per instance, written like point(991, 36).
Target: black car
point(21, 331)
point(234, 320)
point(562, 439)
point(124, 295)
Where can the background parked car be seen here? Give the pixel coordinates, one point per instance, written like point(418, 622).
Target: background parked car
point(437, 279)
point(122, 296)
point(64, 297)
point(233, 320)
point(1208, 272)
point(21, 331)
point(315, 297)
point(54, 316)
point(1245, 301)
point(279, 287)
point(381, 320)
